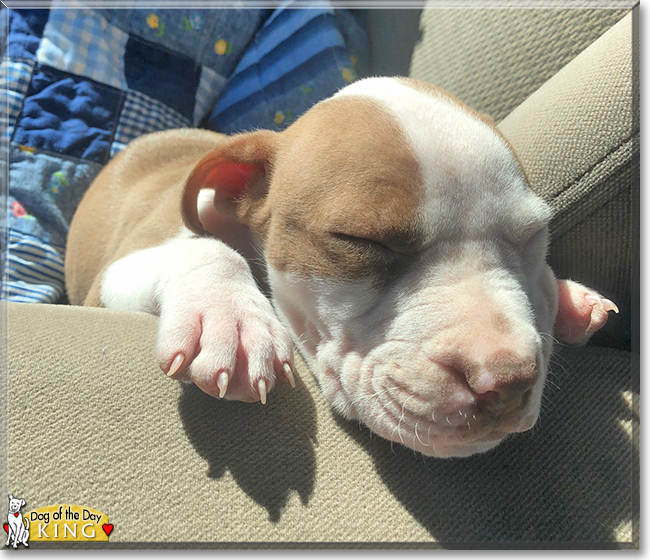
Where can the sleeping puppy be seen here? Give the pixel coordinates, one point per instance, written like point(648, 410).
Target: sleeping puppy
point(403, 248)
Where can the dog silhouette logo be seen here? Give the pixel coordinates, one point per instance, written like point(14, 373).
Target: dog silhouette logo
point(16, 527)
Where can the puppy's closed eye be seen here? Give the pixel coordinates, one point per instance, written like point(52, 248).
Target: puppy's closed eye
point(395, 245)
point(360, 256)
point(363, 243)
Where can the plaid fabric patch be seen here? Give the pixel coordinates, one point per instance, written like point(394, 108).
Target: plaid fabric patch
point(14, 82)
point(116, 148)
point(210, 87)
point(84, 43)
point(141, 114)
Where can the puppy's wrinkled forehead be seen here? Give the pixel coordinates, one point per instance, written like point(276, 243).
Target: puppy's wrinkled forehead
point(351, 155)
point(470, 174)
point(396, 162)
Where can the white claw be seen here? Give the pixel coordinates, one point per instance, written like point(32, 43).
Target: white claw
point(289, 375)
point(222, 383)
point(606, 304)
point(176, 364)
point(261, 387)
point(609, 305)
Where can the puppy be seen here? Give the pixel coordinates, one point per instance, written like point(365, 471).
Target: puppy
point(403, 248)
point(17, 529)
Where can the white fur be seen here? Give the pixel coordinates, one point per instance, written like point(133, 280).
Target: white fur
point(356, 338)
point(461, 158)
point(210, 308)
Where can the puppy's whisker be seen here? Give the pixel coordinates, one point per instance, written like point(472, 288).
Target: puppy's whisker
point(374, 422)
point(357, 400)
point(549, 336)
point(416, 433)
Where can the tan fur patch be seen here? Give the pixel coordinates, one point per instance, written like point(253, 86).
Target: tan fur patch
point(134, 203)
point(344, 168)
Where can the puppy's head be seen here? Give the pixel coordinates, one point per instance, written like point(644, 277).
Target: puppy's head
point(407, 254)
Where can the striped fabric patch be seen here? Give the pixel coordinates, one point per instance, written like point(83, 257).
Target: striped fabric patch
point(34, 270)
point(298, 58)
point(210, 87)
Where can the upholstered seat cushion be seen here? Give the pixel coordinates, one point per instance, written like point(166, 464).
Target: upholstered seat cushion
point(92, 421)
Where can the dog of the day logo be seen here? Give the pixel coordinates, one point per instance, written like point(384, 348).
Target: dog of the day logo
point(17, 528)
point(59, 523)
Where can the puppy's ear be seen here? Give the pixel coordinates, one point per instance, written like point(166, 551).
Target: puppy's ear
point(23, 502)
point(11, 496)
point(237, 170)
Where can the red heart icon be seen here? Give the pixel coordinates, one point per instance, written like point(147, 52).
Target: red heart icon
point(16, 514)
point(6, 526)
point(108, 527)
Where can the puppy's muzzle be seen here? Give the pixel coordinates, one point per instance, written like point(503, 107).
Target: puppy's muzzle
point(502, 381)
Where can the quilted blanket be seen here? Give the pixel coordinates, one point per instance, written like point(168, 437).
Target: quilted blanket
point(78, 85)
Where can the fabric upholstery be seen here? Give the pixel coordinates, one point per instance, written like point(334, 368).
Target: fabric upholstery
point(494, 59)
point(578, 139)
point(92, 421)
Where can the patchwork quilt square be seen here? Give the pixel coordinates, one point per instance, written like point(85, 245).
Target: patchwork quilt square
point(25, 29)
point(34, 269)
point(171, 78)
point(42, 183)
point(68, 114)
point(141, 115)
point(214, 38)
point(210, 86)
point(84, 43)
point(15, 75)
point(14, 83)
point(298, 58)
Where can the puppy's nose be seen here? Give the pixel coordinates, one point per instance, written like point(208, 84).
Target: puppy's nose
point(502, 376)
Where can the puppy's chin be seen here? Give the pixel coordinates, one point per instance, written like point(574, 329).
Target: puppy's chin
point(458, 451)
point(443, 421)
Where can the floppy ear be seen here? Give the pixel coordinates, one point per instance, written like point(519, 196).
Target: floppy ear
point(23, 501)
point(237, 170)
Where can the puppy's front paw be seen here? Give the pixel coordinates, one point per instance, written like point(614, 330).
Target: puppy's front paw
point(581, 312)
point(225, 338)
